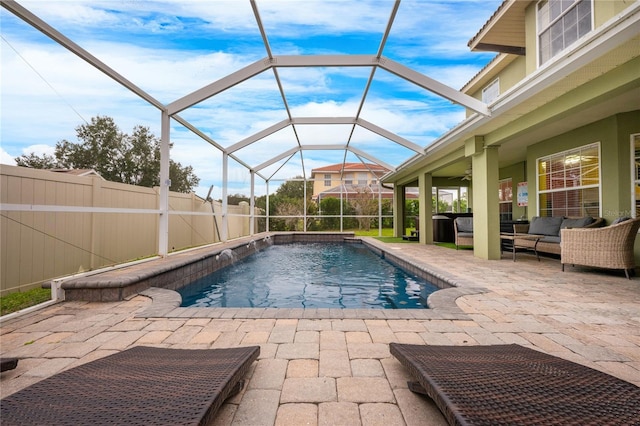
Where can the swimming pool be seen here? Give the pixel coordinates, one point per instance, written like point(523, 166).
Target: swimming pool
point(310, 275)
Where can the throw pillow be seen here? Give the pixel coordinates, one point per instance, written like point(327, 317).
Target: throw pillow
point(545, 225)
point(620, 220)
point(580, 222)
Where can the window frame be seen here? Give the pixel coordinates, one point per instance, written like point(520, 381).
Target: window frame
point(540, 30)
point(327, 179)
point(488, 87)
point(362, 178)
point(506, 200)
point(597, 145)
point(635, 177)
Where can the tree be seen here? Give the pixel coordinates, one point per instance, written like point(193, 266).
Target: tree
point(365, 204)
point(294, 189)
point(118, 157)
point(35, 162)
point(330, 206)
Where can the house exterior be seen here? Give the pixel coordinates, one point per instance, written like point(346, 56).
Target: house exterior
point(344, 179)
point(562, 137)
point(78, 172)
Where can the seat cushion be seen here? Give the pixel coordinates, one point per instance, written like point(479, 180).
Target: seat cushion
point(546, 225)
point(580, 222)
point(550, 239)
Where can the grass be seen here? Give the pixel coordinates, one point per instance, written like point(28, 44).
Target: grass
point(386, 232)
point(393, 240)
point(387, 235)
point(16, 301)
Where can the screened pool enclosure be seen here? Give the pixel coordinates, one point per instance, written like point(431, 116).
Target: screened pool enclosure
point(338, 87)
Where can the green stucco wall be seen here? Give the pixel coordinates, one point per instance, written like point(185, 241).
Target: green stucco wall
point(607, 9)
point(614, 135)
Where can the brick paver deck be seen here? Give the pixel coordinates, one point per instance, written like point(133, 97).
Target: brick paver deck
point(333, 367)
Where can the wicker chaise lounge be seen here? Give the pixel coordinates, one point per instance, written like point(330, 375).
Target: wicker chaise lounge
point(514, 385)
point(139, 386)
point(610, 247)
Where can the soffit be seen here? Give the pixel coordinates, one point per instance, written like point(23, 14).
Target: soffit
point(505, 29)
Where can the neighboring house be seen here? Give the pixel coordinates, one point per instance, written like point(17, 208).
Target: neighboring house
point(350, 179)
point(78, 172)
point(341, 180)
point(562, 136)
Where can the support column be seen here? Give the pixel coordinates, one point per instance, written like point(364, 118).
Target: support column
point(225, 202)
point(252, 204)
point(425, 185)
point(304, 204)
point(379, 210)
point(486, 212)
point(165, 184)
point(267, 208)
point(398, 211)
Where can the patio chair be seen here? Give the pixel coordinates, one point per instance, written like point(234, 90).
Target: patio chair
point(463, 231)
point(514, 385)
point(609, 247)
point(141, 385)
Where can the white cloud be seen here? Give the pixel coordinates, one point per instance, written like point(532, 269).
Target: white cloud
point(6, 158)
point(172, 48)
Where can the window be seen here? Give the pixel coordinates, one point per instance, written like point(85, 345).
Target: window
point(362, 178)
point(449, 200)
point(327, 180)
point(560, 24)
point(569, 183)
point(505, 198)
point(635, 146)
point(348, 179)
point(491, 92)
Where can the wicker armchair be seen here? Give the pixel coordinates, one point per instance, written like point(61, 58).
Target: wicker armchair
point(609, 247)
point(463, 231)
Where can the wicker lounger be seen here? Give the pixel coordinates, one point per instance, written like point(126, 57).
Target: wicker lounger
point(141, 385)
point(514, 385)
point(8, 364)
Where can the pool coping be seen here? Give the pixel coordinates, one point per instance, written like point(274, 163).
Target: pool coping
point(442, 303)
point(166, 304)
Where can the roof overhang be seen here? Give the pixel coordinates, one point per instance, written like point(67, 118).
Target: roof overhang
point(504, 32)
point(602, 51)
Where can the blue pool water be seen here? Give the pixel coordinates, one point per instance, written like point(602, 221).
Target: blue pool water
point(310, 275)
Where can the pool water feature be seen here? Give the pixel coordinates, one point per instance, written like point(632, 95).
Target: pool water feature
point(310, 275)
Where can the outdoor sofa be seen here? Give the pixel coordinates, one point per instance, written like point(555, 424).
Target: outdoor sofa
point(610, 247)
point(548, 229)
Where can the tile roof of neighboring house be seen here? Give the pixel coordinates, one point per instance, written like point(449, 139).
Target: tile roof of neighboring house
point(336, 168)
point(78, 172)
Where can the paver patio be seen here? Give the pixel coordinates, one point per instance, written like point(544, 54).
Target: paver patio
point(332, 368)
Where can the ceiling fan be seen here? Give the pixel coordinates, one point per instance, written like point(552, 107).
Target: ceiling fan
point(466, 176)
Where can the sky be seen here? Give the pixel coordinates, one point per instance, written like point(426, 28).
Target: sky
point(172, 48)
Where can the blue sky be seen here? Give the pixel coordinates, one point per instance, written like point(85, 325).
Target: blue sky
point(171, 48)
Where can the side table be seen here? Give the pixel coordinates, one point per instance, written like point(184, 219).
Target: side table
point(512, 236)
